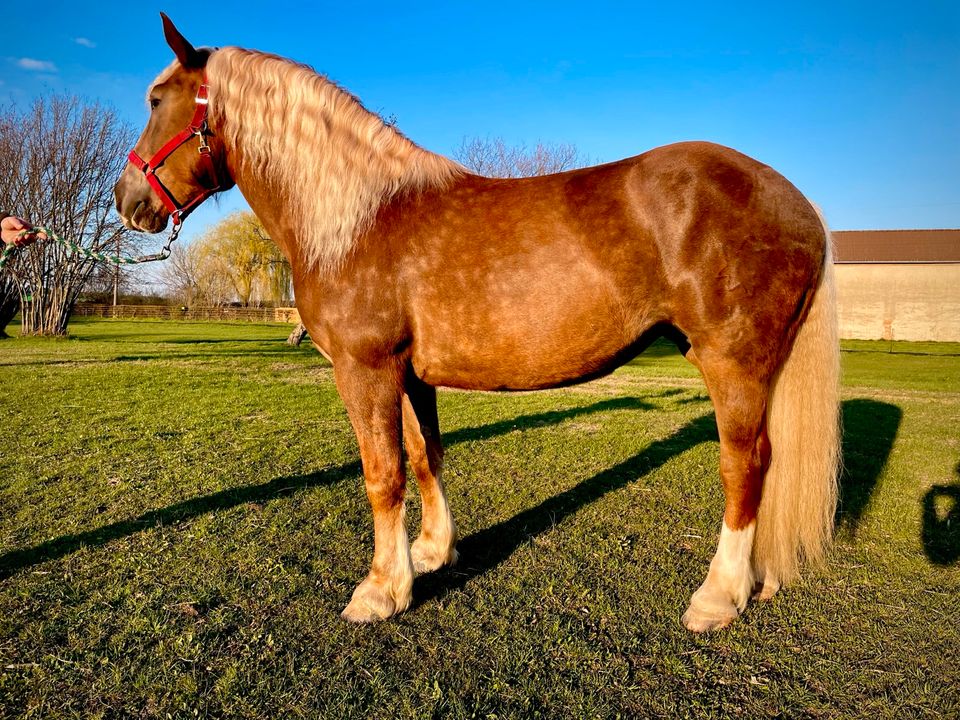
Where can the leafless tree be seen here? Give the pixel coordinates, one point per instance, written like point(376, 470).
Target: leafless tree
point(184, 276)
point(60, 160)
point(494, 158)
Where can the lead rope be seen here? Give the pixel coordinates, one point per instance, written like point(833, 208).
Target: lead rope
point(11, 248)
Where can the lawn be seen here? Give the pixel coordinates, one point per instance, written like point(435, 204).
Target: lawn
point(182, 518)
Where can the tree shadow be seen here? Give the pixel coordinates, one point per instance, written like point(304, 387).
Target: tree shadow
point(869, 431)
point(219, 341)
point(15, 560)
point(486, 549)
point(210, 357)
point(941, 530)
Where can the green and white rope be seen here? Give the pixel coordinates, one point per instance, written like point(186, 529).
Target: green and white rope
point(10, 249)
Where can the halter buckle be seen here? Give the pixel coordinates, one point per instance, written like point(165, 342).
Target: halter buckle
point(201, 133)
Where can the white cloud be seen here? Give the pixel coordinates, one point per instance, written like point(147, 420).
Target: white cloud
point(36, 65)
point(86, 42)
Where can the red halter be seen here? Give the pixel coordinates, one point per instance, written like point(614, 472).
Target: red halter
point(198, 127)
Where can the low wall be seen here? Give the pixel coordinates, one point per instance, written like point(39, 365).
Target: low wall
point(899, 301)
point(170, 312)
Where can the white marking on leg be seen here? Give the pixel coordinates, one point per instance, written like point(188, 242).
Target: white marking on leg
point(727, 587)
point(387, 589)
point(402, 580)
point(436, 545)
point(733, 562)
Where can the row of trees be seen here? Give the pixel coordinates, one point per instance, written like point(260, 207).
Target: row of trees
point(59, 160)
point(235, 260)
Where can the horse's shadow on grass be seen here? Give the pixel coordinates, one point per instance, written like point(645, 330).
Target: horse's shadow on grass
point(869, 431)
point(56, 548)
point(486, 549)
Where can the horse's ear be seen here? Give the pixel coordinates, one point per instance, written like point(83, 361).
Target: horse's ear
point(181, 47)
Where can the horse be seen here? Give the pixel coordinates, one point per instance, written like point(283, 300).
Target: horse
point(412, 273)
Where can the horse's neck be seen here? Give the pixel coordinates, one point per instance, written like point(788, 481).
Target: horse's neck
point(318, 195)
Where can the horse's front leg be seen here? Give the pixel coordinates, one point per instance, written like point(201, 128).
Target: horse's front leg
point(372, 397)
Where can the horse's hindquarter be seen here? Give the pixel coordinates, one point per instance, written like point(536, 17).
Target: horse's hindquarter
point(526, 284)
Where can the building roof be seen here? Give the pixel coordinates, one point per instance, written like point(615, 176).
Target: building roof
point(896, 246)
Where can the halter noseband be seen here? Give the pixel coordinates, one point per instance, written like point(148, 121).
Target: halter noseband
point(197, 127)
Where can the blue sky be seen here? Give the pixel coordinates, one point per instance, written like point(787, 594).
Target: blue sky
point(857, 103)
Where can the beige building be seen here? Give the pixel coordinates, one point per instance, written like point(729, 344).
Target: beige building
point(898, 284)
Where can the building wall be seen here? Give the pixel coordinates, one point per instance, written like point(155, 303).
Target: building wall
point(899, 302)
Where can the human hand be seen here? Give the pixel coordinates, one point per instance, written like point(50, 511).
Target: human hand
point(11, 227)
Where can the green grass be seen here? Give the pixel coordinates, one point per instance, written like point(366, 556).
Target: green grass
point(182, 518)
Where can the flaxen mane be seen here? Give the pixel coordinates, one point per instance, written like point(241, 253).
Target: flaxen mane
point(331, 160)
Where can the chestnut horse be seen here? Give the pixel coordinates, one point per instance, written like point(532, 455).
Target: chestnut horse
point(411, 273)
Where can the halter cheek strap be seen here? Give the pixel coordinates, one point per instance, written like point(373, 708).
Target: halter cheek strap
point(197, 127)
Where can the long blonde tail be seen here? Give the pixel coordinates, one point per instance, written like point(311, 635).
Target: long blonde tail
point(795, 518)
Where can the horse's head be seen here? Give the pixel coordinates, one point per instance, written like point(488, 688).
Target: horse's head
point(177, 162)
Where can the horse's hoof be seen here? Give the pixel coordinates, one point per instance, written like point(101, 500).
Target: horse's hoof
point(427, 558)
point(699, 621)
point(369, 604)
point(766, 589)
point(710, 609)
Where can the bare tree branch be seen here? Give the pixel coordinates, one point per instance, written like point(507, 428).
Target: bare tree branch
point(61, 158)
point(494, 158)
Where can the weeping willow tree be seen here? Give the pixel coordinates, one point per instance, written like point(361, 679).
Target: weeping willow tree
point(233, 260)
point(60, 160)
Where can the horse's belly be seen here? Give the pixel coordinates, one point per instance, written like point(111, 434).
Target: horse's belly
point(521, 355)
point(546, 313)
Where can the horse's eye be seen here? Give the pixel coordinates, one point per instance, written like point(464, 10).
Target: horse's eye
point(154, 102)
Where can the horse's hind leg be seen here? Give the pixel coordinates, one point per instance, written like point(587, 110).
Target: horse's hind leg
point(372, 397)
point(739, 399)
point(436, 545)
